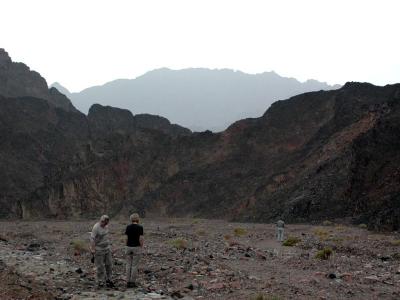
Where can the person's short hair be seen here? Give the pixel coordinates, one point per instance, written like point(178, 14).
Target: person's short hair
point(134, 217)
point(104, 218)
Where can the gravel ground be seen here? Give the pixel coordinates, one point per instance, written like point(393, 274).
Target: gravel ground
point(202, 259)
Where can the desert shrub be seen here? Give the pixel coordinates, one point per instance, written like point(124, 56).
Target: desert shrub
point(179, 243)
point(327, 223)
point(291, 241)
point(321, 233)
point(337, 240)
point(239, 231)
point(201, 232)
point(79, 246)
point(324, 253)
point(340, 228)
point(363, 226)
point(395, 242)
point(261, 296)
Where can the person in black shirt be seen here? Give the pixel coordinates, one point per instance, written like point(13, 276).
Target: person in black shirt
point(134, 245)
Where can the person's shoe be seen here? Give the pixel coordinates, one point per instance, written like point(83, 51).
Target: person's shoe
point(110, 284)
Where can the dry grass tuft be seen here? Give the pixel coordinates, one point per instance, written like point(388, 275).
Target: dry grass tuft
point(324, 253)
point(327, 223)
point(239, 231)
point(201, 232)
point(179, 243)
point(322, 234)
point(291, 241)
point(395, 242)
point(340, 228)
point(79, 246)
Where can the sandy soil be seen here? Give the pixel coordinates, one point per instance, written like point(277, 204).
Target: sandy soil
point(201, 259)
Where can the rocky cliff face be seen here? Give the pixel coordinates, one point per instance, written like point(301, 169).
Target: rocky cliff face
point(17, 80)
point(315, 156)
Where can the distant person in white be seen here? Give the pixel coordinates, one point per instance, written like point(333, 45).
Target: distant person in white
point(280, 227)
point(100, 246)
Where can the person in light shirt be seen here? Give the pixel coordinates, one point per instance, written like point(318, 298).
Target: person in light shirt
point(100, 247)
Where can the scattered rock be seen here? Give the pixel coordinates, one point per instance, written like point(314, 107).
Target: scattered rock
point(371, 279)
point(33, 247)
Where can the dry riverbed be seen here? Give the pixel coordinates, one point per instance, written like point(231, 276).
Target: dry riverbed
point(202, 259)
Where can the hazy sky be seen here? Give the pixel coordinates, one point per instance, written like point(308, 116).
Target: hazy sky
point(88, 42)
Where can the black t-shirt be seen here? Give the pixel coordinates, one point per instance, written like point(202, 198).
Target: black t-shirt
point(133, 231)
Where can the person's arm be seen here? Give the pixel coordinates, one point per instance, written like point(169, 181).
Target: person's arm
point(93, 239)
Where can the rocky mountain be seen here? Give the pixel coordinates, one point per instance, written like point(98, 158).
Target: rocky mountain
point(196, 98)
point(17, 80)
point(316, 156)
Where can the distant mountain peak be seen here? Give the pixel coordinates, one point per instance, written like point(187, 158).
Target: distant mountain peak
point(196, 97)
point(60, 88)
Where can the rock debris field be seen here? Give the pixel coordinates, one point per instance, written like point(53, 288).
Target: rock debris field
point(202, 259)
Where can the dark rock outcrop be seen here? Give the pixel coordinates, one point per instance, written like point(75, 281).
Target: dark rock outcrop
point(159, 123)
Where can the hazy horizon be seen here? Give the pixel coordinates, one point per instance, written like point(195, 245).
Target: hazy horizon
point(195, 98)
point(86, 43)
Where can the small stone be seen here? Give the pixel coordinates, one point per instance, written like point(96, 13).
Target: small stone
point(371, 279)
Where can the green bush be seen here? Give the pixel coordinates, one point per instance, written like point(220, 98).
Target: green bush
point(179, 243)
point(324, 253)
point(291, 241)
